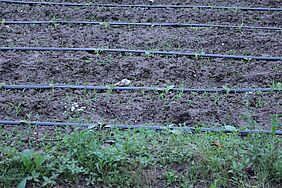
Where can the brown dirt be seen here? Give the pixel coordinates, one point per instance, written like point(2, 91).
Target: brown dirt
point(240, 110)
point(12, 12)
point(133, 107)
point(253, 3)
point(83, 67)
point(182, 39)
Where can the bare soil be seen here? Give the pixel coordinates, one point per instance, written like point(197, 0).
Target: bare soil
point(253, 3)
point(240, 110)
point(102, 14)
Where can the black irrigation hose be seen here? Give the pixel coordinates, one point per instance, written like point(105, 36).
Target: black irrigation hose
point(145, 6)
point(4, 22)
point(107, 88)
point(173, 53)
point(154, 127)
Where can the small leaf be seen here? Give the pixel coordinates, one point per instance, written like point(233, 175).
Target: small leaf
point(213, 185)
point(45, 178)
point(26, 158)
point(35, 175)
point(39, 160)
point(23, 182)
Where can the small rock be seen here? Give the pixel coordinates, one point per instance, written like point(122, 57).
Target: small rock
point(230, 128)
point(108, 143)
point(123, 82)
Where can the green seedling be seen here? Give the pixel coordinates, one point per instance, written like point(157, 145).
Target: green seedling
point(54, 24)
point(105, 25)
point(275, 123)
point(276, 85)
point(3, 22)
point(227, 89)
point(16, 107)
point(171, 177)
point(248, 59)
point(198, 55)
point(149, 54)
point(195, 28)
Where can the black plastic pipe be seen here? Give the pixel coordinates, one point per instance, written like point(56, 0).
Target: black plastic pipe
point(106, 88)
point(145, 6)
point(172, 53)
point(152, 127)
point(143, 24)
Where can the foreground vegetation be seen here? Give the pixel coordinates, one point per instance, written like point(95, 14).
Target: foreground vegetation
point(54, 157)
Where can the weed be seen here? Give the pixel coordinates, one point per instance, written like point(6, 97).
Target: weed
point(275, 123)
point(198, 55)
point(276, 85)
point(88, 156)
point(171, 177)
point(16, 107)
point(216, 98)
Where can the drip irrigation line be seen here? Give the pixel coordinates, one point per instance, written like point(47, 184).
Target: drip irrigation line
point(152, 127)
point(146, 52)
point(145, 6)
point(107, 88)
point(156, 24)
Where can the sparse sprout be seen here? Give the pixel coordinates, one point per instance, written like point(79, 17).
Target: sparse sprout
point(241, 26)
point(236, 10)
point(276, 85)
point(105, 24)
point(147, 53)
point(97, 52)
point(199, 54)
point(249, 59)
point(227, 89)
point(54, 20)
point(168, 88)
point(195, 28)
point(3, 21)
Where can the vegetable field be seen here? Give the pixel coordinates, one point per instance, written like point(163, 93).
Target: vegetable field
point(77, 72)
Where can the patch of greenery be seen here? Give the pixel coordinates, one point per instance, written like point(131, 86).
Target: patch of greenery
point(35, 157)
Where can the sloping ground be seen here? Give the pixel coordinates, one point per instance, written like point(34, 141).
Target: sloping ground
point(239, 110)
point(89, 158)
point(66, 157)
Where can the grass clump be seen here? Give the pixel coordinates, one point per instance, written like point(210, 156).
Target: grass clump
point(137, 158)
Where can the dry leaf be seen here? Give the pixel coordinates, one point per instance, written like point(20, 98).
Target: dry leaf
point(217, 144)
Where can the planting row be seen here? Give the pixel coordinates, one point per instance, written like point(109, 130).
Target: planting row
point(254, 3)
point(200, 40)
point(26, 12)
point(108, 69)
point(250, 110)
